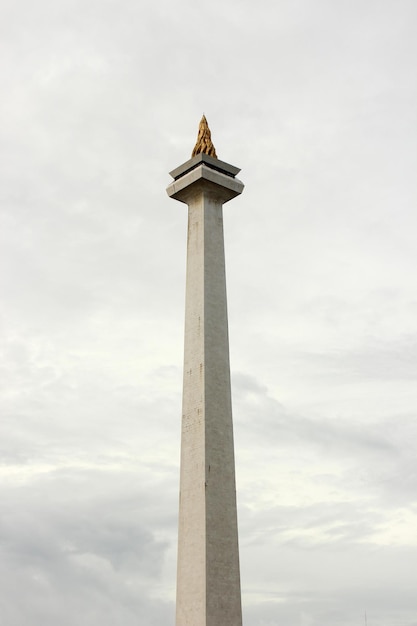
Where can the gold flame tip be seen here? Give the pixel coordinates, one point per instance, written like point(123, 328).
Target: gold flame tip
point(204, 143)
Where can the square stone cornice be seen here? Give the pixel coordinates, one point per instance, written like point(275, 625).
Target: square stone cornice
point(215, 164)
point(203, 173)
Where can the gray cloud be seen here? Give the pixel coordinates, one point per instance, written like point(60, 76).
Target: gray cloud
point(93, 552)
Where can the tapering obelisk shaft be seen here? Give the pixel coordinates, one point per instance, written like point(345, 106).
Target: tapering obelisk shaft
point(208, 579)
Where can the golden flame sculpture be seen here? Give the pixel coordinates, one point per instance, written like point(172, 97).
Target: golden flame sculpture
point(204, 144)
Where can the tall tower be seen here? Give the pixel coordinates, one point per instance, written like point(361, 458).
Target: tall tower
point(208, 578)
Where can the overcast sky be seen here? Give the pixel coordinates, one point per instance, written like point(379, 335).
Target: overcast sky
point(315, 100)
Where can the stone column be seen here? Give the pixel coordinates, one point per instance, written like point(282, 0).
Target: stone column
point(208, 579)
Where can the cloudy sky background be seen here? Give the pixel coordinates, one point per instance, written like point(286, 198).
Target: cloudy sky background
point(316, 102)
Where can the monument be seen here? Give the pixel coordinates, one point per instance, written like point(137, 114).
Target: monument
point(208, 577)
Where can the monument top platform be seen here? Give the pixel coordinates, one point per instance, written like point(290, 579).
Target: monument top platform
point(212, 162)
point(205, 175)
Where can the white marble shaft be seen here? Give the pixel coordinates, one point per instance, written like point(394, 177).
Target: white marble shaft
point(208, 578)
